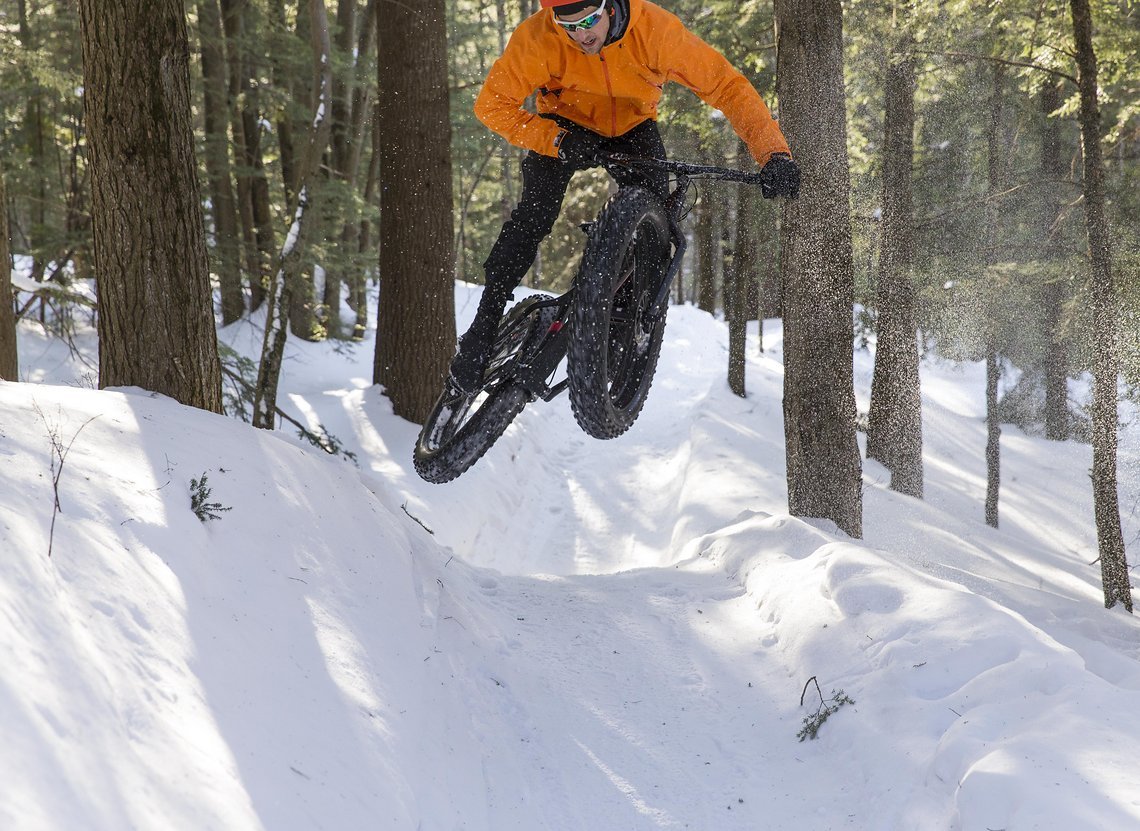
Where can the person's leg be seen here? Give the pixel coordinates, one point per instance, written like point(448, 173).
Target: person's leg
point(643, 141)
point(544, 185)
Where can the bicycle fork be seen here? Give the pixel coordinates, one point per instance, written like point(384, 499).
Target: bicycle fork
point(660, 305)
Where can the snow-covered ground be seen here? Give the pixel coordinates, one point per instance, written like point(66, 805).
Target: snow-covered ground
point(574, 635)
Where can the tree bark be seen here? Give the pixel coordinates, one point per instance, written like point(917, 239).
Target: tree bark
point(823, 462)
point(227, 239)
point(1110, 539)
point(415, 336)
point(156, 322)
point(9, 363)
point(894, 428)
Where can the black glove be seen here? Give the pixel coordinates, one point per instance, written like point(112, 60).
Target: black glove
point(578, 146)
point(780, 177)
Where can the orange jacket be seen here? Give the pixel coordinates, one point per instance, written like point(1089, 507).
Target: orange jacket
point(614, 91)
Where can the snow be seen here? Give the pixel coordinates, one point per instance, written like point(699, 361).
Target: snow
point(573, 635)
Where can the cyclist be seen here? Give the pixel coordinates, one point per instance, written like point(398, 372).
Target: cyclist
point(597, 68)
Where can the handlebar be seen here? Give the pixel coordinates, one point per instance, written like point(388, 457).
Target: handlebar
point(692, 171)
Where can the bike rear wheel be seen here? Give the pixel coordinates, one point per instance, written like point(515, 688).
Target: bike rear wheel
point(461, 428)
point(613, 346)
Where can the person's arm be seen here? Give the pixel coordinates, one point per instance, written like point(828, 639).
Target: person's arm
point(518, 72)
point(690, 61)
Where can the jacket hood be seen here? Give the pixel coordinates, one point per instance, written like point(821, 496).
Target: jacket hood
point(624, 13)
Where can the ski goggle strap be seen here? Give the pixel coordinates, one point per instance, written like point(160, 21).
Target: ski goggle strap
point(586, 22)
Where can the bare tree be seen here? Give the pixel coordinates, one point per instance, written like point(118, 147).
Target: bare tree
point(824, 466)
point(415, 330)
point(1110, 539)
point(156, 321)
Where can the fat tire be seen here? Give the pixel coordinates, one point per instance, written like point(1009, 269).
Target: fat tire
point(611, 357)
point(462, 446)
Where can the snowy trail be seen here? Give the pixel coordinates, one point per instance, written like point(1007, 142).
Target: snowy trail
point(647, 699)
point(632, 607)
point(622, 655)
point(627, 666)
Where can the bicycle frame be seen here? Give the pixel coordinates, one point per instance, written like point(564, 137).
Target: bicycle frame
point(532, 370)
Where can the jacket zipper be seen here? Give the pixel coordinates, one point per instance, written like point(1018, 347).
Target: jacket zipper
point(610, 90)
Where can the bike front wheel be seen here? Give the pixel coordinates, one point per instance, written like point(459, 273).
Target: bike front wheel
point(614, 347)
point(461, 428)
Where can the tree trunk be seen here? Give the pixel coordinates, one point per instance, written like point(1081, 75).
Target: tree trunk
point(281, 80)
point(745, 264)
point(34, 131)
point(706, 262)
point(996, 179)
point(1110, 539)
point(1056, 352)
point(415, 337)
point(302, 289)
point(227, 238)
point(252, 187)
point(894, 429)
point(342, 140)
point(993, 436)
point(357, 292)
point(291, 258)
point(824, 467)
point(9, 363)
point(770, 291)
point(156, 322)
point(351, 99)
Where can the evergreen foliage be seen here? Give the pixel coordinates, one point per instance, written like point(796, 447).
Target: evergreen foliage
point(200, 504)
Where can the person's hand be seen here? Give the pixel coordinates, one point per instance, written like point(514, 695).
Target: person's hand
point(579, 146)
point(780, 177)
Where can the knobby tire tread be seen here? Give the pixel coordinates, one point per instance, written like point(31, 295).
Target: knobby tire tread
point(459, 451)
point(591, 384)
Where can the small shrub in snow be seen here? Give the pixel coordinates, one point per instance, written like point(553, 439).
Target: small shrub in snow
point(200, 503)
point(826, 708)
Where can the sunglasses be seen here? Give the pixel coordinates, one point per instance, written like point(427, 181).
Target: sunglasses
point(587, 22)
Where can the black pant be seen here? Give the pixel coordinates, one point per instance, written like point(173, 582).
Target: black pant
point(544, 186)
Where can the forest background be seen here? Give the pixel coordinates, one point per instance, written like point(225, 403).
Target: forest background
point(996, 249)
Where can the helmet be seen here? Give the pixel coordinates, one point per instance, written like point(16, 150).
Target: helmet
point(569, 6)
